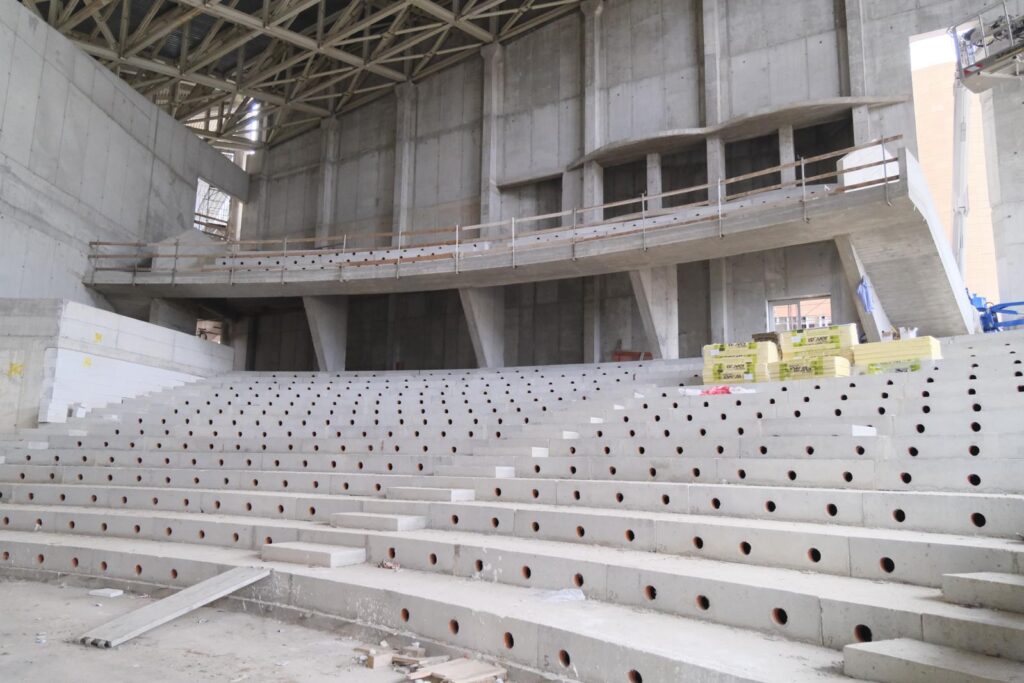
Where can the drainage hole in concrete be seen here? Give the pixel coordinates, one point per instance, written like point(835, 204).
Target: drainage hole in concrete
point(479, 564)
point(698, 542)
point(563, 657)
point(977, 519)
point(404, 614)
point(432, 558)
point(745, 548)
point(832, 510)
point(887, 565)
point(630, 536)
point(535, 526)
point(577, 580)
point(455, 519)
point(779, 616)
point(862, 634)
point(703, 603)
point(635, 677)
point(509, 640)
point(973, 479)
point(650, 592)
point(527, 572)
point(453, 626)
point(814, 555)
point(899, 515)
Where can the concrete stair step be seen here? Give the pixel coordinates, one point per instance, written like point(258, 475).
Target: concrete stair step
point(489, 472)
point(797, 426)
point(512, 451)
point(431, 494)
point(378, 522)
point(312, 554)
point(396, 507)
point(904, 660)
point(994, 590)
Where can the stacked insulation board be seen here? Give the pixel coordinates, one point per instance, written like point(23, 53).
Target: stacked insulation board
point(835, 340)
point(737, 363)
point(806, 368)
point(904, 355)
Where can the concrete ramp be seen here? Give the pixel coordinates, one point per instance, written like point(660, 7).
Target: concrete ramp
point(147, 618)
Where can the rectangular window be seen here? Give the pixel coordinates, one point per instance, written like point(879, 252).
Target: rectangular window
point(798, 314)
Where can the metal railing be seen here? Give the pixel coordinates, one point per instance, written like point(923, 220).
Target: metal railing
point(493, 238)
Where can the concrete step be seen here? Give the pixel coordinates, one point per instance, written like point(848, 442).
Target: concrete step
point(489, 472)
point(378, 522)
point(814, 426)
point(396, 507)
point(431, 494)
point(904, 660)
point(512, 451)
point(312, 554)
point(994, 590)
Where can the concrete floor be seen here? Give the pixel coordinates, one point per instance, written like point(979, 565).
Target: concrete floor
point(205, 645)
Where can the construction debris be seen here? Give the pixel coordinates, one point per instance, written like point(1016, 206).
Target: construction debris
point(459, 671)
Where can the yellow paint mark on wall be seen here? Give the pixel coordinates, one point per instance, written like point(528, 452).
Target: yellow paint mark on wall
point(15, 369)
point(97, 337)
point(87, 362)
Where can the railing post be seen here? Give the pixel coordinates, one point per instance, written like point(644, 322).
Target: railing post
point(885, 170)
point(643, 219)
point(284, 259)
point(398, 262)
point(574, 210)
point(803, 189)
point(457, 248)
point(174, 267)
point(513, 241)
point(719, 193)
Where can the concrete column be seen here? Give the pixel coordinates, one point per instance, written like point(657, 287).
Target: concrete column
point(714, 104)
point(657, 294)
point(787, 153)
point(594, 106)
point(490, 146)
point(654, 181)
point(173, 315)
point(235, 206)
point(856, 64)
point(257, 167)
point(405, 160)
point(1004, 142)
point(242, 338)
point(873, 323)
point(716, 167)
point(485, 314)
point(592, 319)
point(326, 215)
point(328, 324)
point(720, 295)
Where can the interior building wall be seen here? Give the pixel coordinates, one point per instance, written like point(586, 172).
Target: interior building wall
point(283, 341)
point(681, 169)
point(84, 157)
point(622, 182)
point(534, 199)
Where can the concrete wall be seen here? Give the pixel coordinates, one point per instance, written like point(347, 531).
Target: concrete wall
point(84, 157)
point(56, 353)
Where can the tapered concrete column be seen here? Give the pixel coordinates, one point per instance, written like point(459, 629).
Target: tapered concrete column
point(594, 106)
point(328, 324)
point(720, 295)
point(787, 153)
point(654, 181)
point(714, 94)
point(330, 134)
point(592, 319)
point(657, 295)
point(490, 147)
point(872, 322)
point(405, 160)
point(716, 167)
point(242, 339)
point(485, 314)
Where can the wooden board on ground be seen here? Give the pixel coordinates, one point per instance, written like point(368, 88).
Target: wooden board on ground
point(459, 671)
point(144, 619)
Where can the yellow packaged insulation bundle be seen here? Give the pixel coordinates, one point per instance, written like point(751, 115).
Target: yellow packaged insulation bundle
point(737, 363)
point(758, 352)
point(820, 342)
point(904, 355)
point(806, 368)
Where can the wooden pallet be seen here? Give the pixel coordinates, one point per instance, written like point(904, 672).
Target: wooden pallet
point(147, 618)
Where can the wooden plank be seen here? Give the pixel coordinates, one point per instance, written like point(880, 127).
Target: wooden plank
point(144, 619)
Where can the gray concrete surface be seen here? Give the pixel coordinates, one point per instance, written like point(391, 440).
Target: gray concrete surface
point(41, 620)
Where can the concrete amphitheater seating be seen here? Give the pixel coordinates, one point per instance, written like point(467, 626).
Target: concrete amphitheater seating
point(862, 527)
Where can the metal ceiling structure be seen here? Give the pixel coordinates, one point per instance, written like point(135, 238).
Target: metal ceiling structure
point(248, 73)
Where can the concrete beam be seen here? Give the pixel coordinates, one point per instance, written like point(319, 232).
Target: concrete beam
point(657, 294)
point(485, 314)
point(405, 160)
point(328, 324)
point(490, 147)
point(873, 322)
point(330, 133)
